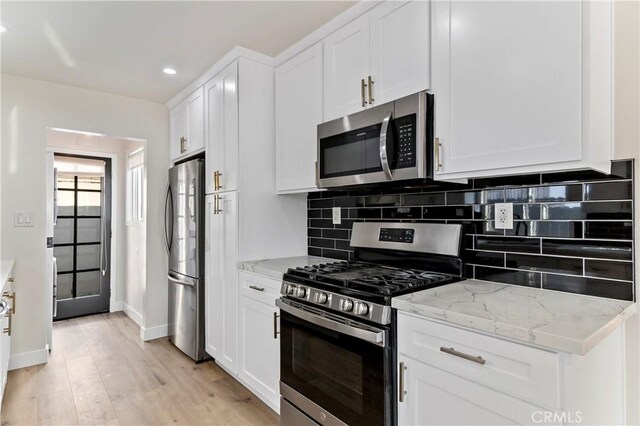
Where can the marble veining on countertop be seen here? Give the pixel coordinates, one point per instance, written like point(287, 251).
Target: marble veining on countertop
point(559, 321)
point(6, 271)
point(276, 268)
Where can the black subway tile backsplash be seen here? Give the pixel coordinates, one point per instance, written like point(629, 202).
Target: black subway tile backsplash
point(609, 269)
point(608, 191)
point(572, 232)
point(508, 244)
point(562, 265)
point(609, 230)
point(620, 250)
point(590, 286)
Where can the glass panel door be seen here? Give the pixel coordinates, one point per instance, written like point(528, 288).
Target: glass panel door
point(82, 236)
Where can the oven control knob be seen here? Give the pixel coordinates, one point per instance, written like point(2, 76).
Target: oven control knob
point(346, 305)
point(301, 292)
point(361, 308)
point(289, 289)
point(322, 298)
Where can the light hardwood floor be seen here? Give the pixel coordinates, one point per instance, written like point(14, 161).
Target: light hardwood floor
point(101, 373)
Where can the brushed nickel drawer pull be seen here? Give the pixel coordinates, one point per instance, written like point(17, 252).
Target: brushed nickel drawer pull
point(275, 325)
point(256, 288)
point(451, 351)
point(401, 391)
point(7, 330)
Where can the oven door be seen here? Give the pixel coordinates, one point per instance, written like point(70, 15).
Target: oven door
point(334, 369)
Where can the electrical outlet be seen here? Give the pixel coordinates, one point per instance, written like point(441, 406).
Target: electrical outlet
point(504, 215)
point(337, 219)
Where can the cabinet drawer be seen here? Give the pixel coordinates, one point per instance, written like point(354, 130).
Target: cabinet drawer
point(530, 373)
point(260, 288)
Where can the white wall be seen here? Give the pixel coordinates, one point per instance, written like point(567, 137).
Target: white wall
point(29, 107)
point(129, 245)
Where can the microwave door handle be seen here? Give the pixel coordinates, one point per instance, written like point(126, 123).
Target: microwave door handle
point(384, 132)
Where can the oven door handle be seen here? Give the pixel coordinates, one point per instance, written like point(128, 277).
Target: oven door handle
point(375, 337)
point(384, 134)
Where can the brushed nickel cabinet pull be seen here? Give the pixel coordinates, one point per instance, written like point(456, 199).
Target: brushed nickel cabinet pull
point(10, 279)
point(438, 145)
point(275, 325)
point(371, 91)
point(256, 288)
point(363, 87)
point(401, 392)
point(219, 184)
point(7, 330)
point(216, 204)
point(451, 351)
point(183, 149)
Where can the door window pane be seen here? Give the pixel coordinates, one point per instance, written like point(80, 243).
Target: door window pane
point(64, 257)
point(89, 203)
point(88, 230)
point(88, 283)
point(63, 231)
point(88, 257)
point(65, 286)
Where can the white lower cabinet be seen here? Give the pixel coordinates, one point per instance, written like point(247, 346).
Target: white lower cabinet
point(437, 397)
point(453, 376)
point(5, 333)
point(259, 356)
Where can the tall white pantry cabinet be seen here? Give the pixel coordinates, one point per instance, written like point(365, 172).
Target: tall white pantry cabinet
point(245, 219)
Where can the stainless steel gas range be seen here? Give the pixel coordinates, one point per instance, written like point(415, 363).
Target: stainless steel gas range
point(337, 341)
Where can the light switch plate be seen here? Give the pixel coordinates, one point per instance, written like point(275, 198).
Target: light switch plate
point(23, 219)
point(337, 219)
point(504, 215)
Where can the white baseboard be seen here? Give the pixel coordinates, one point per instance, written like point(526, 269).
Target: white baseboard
point(28, 359)
point(116, 307)
point(133, 314)
point(151, 333)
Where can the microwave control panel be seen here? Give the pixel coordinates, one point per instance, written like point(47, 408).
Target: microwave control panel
point(406, 128)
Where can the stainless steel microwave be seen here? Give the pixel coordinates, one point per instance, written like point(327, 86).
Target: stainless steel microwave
point(386, 143)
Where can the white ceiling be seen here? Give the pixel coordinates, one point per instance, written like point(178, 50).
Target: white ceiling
point(122, 47)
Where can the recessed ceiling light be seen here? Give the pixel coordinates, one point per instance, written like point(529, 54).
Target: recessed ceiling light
point(169, 71)
point(2, 29)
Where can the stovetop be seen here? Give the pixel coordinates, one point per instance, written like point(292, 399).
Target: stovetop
point(366, 281)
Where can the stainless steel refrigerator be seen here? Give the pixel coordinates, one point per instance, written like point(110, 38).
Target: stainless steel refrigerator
point(184, 234)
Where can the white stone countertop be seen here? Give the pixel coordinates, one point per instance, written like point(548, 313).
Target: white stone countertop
point(554, 320)
point(275, 268)
point(6, 271)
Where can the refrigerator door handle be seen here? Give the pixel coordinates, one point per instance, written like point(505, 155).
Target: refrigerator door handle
point(168, 239)
point(179, 281)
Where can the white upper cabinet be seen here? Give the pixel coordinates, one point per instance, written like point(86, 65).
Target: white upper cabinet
point(346, 67)
point(298, 113)
point(516, 89)
point(400, 49)
point(380, 56)
point(187, 126)
point(222, 130)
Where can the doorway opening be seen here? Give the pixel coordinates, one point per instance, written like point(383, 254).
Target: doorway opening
point(82, 236)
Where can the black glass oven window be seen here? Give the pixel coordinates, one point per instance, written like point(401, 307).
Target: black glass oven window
point(342, 374)
point(351, 153)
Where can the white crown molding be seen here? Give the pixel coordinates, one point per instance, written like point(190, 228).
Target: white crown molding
point(232, 55)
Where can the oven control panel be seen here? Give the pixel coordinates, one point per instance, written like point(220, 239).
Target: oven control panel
point(397, 235)
point(406, 128)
